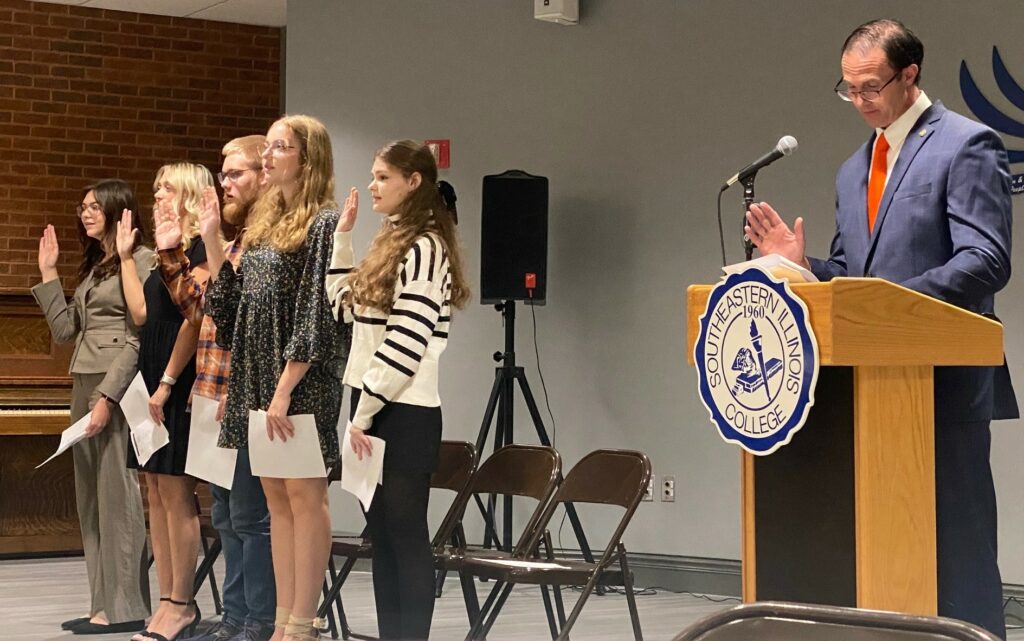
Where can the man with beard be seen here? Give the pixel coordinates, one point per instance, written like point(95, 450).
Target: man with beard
point(240, 515)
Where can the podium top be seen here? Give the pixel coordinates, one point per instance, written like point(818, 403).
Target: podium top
point(870, 321)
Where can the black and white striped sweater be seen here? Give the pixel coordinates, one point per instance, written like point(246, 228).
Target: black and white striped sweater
point(394, 356)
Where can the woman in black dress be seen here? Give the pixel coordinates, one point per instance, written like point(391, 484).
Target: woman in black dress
point(167, 347)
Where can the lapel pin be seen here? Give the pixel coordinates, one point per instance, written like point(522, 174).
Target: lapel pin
point(922, 132)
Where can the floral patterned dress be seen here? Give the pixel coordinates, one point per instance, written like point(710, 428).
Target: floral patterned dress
point(274, 309)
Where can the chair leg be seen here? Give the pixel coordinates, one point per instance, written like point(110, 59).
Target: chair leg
point(575, 614)
point(215, 551)
point(547, 611)
point(559, 606)
point(550, 547)
point(205, 568)
point(338, 606)
point(550, 554)
point(627, 582)
point(470, 597)
point(477, 624)
point(492, 615)
point(325, 589)
point(466, 581)
point(332, 597)
point(439, 577)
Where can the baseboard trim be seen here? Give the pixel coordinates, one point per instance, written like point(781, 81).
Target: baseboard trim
point(723, 577)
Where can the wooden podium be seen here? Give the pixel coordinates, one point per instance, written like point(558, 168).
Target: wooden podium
point(845, 514)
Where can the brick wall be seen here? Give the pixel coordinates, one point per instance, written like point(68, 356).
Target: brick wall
point(87, 94)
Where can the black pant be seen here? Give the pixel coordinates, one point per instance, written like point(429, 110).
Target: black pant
point(969, 584)
point(403, 562)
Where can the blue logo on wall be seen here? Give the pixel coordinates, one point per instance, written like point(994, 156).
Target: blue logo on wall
point(989, 114)
point(757, 361)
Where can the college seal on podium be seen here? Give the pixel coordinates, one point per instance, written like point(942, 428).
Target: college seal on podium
point(757, 361)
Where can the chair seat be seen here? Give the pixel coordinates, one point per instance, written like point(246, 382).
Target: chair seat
point(352, 546)
point(541, 572)
point(452, 559)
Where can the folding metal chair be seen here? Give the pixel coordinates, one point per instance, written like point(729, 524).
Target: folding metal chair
point(609, 477)
point(777, 621)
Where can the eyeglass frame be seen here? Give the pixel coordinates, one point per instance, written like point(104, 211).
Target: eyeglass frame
point(93, 208)
point(223, 176)
point(846, 95)
point(276, 148)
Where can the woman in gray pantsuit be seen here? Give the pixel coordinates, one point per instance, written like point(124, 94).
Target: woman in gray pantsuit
point(102, 366)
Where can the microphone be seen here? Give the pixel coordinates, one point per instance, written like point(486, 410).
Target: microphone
point(786, 146)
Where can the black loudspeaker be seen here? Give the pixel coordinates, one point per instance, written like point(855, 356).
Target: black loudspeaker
point(514, 237)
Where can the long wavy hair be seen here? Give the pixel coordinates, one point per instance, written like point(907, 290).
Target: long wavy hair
point(100, 256)
point(188, 180)
point(285, 228)
point(424, 210)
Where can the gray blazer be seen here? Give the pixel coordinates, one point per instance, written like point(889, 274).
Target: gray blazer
point(106, 338)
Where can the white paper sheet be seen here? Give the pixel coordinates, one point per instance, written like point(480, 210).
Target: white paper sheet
point(205, 460)
point(146, 435)
point(362, 477)
point(297, 458)
point(69, 437)
point(777, 266)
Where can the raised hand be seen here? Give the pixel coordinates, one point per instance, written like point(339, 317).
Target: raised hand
point(49, 251)
point(168, 227)
point(771, 235)
point(125, 236)
point(209, 218)
point(348, 212)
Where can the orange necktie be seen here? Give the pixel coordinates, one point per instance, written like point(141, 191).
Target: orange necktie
point(876, 179)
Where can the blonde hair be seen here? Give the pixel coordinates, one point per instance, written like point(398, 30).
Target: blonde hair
point(247, 146)
point(423, 211)
point(189, 180)
point(284, 228)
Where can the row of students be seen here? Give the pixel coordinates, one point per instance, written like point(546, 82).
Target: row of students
point(279, 307)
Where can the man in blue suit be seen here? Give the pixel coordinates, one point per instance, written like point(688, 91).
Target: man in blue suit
point(925, 203)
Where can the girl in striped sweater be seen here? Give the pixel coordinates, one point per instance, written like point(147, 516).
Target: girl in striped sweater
point(399, 301)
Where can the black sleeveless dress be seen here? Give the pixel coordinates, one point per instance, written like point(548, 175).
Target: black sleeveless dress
point(156, 342)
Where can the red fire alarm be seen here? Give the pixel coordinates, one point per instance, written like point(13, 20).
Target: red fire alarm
point(442, 152)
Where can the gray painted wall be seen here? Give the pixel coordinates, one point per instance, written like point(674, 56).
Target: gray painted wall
point(636, 116)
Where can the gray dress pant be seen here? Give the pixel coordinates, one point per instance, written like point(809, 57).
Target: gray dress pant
point(110, 513)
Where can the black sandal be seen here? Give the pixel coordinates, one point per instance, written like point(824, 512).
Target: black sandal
point(187, 631)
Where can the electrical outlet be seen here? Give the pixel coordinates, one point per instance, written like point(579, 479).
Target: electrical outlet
point(668, 488)
point(649, 492)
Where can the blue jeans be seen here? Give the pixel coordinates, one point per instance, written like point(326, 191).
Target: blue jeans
point(243, 521)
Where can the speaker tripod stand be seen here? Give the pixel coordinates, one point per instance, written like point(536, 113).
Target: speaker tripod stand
point(502, 401)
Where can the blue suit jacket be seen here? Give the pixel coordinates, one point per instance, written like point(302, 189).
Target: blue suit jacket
point(943, 229)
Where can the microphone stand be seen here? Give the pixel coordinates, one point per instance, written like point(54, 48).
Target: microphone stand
point(748, 200)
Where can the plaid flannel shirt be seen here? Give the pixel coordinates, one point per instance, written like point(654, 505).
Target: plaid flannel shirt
point(213, 362)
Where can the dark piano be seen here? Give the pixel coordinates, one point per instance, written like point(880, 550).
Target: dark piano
point(37, 507)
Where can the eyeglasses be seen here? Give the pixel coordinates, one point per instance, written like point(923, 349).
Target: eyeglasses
point(93, 208)
point(278, 147)
point(233, 175)
point(867, 95)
